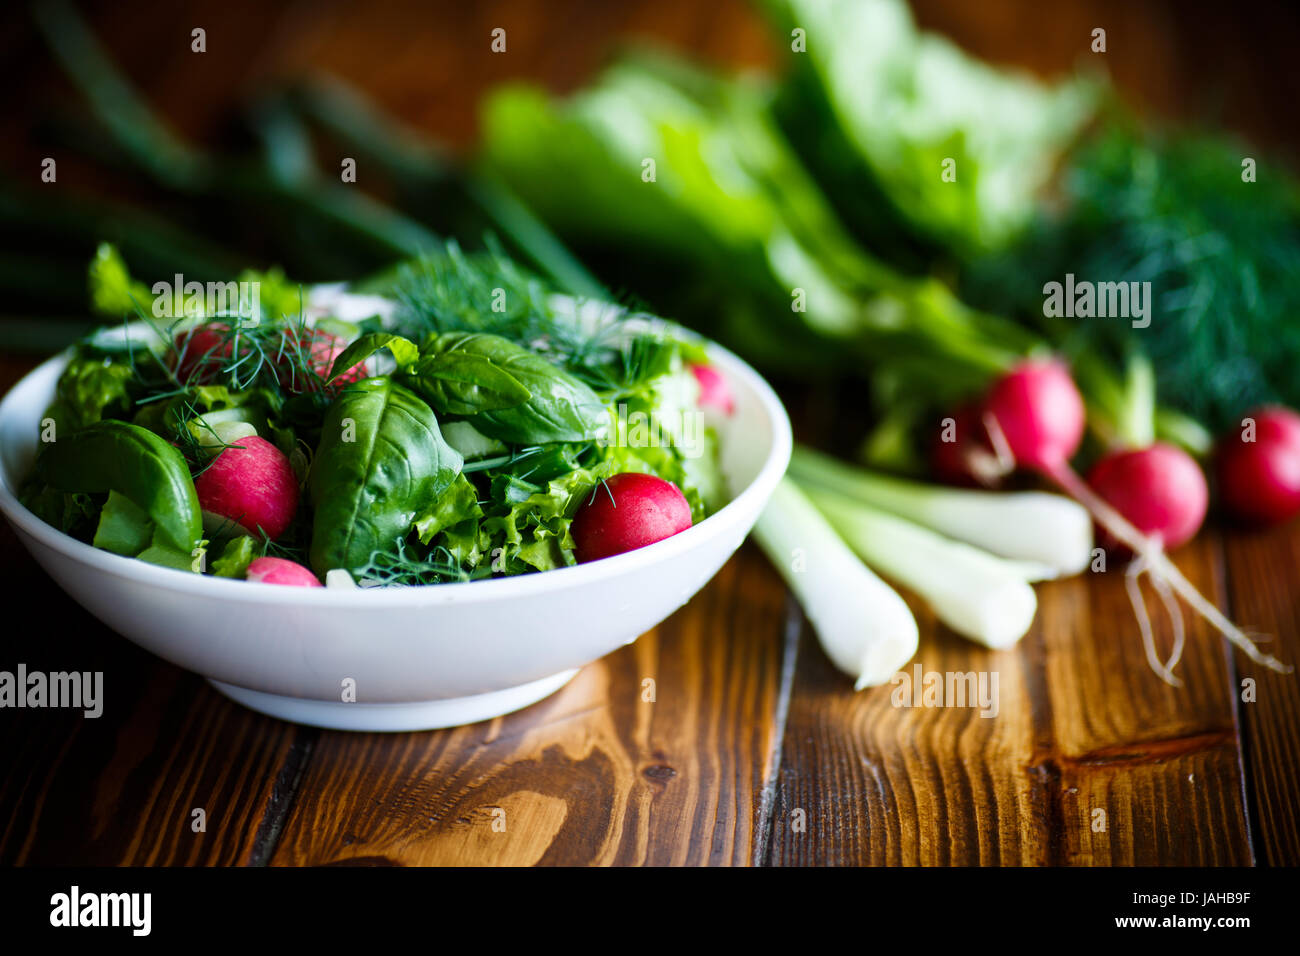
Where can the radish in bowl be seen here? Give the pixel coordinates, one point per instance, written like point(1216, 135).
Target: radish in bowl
point(470, 616)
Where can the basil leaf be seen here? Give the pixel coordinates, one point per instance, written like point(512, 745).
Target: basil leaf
point(404, 351)
point(461, 382)
point(123, 527)
point(164, 554)
point(235, 557)
point(381, 462)
point(558, 406)
point(137, 464)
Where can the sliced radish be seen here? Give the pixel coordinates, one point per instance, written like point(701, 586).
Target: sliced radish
point(629, 511)
point(253, 485)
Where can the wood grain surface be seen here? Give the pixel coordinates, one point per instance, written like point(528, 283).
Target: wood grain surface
point(722, 737)
point(754, 750)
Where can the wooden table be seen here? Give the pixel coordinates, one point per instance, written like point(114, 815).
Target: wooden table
point(754, 749)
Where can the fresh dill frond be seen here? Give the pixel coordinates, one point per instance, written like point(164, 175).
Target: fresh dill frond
point(452, 291)
point(398, 568)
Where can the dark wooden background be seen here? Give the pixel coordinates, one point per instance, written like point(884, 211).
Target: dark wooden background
point(755, 751)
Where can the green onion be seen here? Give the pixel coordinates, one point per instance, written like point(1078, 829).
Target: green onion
point(975, 593)
point(1029, 526)
point(864, 627)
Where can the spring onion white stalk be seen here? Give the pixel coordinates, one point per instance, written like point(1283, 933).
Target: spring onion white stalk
point(977, 594)
point(1032, 526)
point(864, 627)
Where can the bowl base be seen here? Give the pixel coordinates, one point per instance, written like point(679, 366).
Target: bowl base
point(406, 716)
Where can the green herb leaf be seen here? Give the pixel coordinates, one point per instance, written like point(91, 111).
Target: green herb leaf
point(137, 464)
point(124, 528)
point(404, 351)
point(382, 461)
point(235, 558)
point(473, 373)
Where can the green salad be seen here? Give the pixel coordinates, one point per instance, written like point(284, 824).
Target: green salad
point(447, 421)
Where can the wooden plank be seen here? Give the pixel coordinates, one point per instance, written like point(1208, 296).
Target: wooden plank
point(1082, 725)
point(121, 788)
point(594, 774)
point(865, 782)
point(1261, 582)
point(1161, 763)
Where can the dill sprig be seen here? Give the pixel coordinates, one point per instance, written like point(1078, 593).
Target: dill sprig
point(200, 453)
point(398, 568)
point(280, 549)
point(451, 290)
point(1222, 254)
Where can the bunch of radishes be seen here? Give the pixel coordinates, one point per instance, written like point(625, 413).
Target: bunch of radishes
point(1144, 499)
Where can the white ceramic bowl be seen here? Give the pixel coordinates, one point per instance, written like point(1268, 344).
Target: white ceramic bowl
point(419, 657)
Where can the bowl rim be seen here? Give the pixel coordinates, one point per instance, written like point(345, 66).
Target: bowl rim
point(581, 575)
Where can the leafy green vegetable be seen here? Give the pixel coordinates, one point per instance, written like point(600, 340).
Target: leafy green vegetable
point(1222, 255)
point(112, 290)
point(768, 265)
point(381, 461)
point(404, 351)
point(460, 377)
point(880, 111)
point(124, 528)
point(135, 463)
point(458, 503)
point(237, 554)
point(162, 553)
point(506, 391)
point(90, 388)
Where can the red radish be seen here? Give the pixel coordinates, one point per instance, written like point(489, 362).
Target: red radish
point(961, 448)
point(1160, 489)
point(714, 390)
point(281, 571)
point(1036, 414)
point(319, 348)
point(201, 351)
point(629, 511)
point(252, 484)
point(1258, 469)
point(1039, 413)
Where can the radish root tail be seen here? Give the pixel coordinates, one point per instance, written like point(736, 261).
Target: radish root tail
point(1164, 574)
point(1132, 584)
